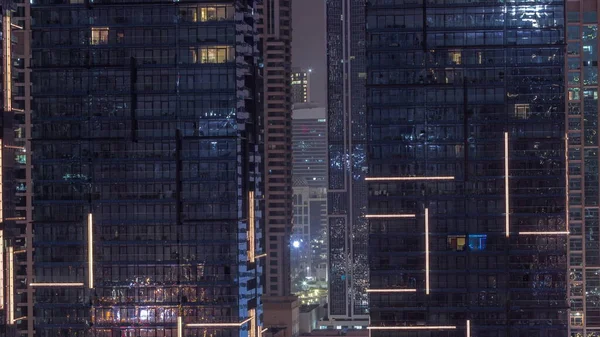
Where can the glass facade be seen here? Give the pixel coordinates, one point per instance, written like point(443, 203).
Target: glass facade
point(9, 152)
point(582, 121)
point(347, 191)
point(146, 166)
point(467, 168)
point(309, 169)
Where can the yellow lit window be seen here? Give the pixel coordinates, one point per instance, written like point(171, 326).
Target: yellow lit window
point(457, 242)
point(576, 319)
point(216, 54)
point(455, 57)
point(522, 111)
point(99, 35)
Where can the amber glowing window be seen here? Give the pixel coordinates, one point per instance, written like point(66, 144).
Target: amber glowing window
point(216, 54)
point(522, 111)
point(457, 242)
point(455, 57)
point(99, 35)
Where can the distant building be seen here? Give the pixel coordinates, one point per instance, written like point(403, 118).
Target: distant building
point(274, 27)
point(309, 140)
point(309, 236)
point(300, 85)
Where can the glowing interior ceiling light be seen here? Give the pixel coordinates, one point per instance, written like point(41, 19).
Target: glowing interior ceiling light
point(1, 269)
point(251, 229)
point(506, 187)
point(427, 251)
point(11, 287)
point(58, 284)
point(433, 327)
point(179, 326)
point(567, 181)
point(218, 325)
point(90, 252)
point(408, 178)
point(468, 328)
point(383, 216)
point(545, 233)
point(391, 290)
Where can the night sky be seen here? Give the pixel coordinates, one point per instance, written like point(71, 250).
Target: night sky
point(308, 44)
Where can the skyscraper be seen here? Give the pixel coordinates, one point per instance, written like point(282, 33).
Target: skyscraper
point(467, 190)
point(309, 248)
point(10, 153)
point(281, 307)
point(582, 121)
point(347, 190)
point(147, 169)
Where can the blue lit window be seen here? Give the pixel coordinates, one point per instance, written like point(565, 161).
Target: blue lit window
point(477, 242)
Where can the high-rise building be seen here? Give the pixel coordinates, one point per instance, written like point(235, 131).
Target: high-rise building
point(309, 135)
point(300, 86)
point(584, 195)
point(347, 190)
point(11, 152)
point(275, 25)
point(147, 169)
point(309, 154)
point(467, 191)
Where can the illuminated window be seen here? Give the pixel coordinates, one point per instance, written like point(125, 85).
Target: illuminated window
point(576, 319)
point(99, 35)
point(455, 57)
point(457, 242)
point(216, 13)
point(522, 111)
point(477, 242)
point(217, 54)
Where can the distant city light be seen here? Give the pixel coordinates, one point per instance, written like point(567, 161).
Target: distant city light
point(296, 244)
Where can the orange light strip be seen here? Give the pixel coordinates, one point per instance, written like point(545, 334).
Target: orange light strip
point(15, 219)
point(22, 148)
point(11, 287)
point(391, 290)
point(427, 251)
point(506, 187)
point(1, 269)
point(90, 252)
point(390, 216)
point(179, 326)
point(261, 255)
point(1, 184)
point(408, 178)
point(544, 233)
point(433, 327)
point(218, 325)
point(251, 229)
point(58, 284)
point(567, 181)
point(7, 66)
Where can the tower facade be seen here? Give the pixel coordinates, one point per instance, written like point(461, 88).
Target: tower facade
point(147, 169)
point(347, 190)
point(466, 183)
point(275, 30)
point(582, 123)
